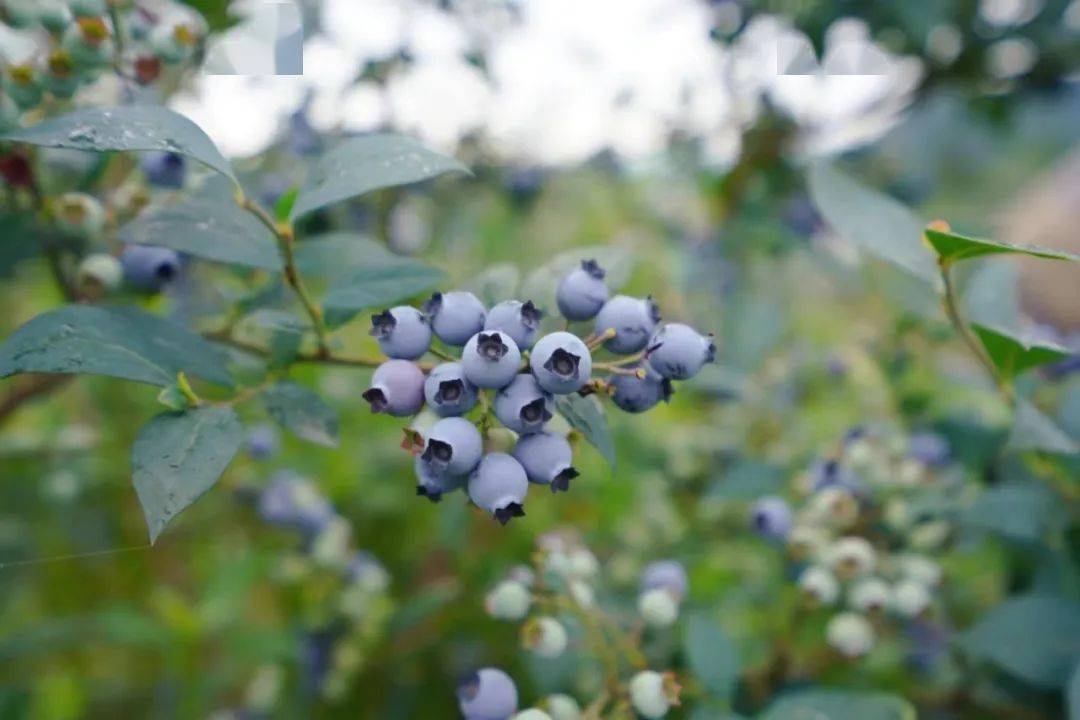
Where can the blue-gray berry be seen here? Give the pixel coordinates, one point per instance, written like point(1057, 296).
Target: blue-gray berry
point(523, 406)
point(397, 388)
point(403, 332)
point(519, 320)
point(432, 484)
point(491, 359)
point(635, 395)
point(582, 293)
point(453, 446)
point(561, 363)
point(294, 502)
point(263, 442)
point(498, 485)
point(667, 575)
point(678, 351)
point(632, 319)
point(165, 169)
point(455, 316)
point(448, 392)
point(487, 694)
point(771, 518)
point(149, 268)
point(547, 459)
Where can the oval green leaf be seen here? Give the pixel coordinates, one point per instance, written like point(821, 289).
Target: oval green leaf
point(179, 456)
point(586, 415)
point(379, 284)
point(710, 655)
point(303, 412)
point(366, 163)
point(119, 342)
point(128, 128)
point(838, 705)
point(952, 247)
point(1013, 354)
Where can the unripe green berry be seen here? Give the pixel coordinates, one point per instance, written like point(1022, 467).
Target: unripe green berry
point(99, 273)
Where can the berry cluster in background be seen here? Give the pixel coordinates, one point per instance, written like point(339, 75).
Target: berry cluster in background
point(863, 540)
point(508, 371)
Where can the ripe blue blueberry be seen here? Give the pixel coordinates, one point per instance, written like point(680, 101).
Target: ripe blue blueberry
point(561, 363)
point(453, 447)
point(165, 169)
point(491, 359)
point(403, 332)
point(523, 406)
point(294, 502)
point(667, 575)
point(632, 319)
point(498, 485)
point(547, 459)
point(455, 316)
point(262, 442)
point(431, 484)
point(519, 320)
point(771, 518)
point(635, 395)
point(448, 392)
point(397, 388)
point(487, 694)
point(582, 293)
point(149, 268)
point(678, 351)
point(929, 448)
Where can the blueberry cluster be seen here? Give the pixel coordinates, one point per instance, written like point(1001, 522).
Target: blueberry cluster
point(555, 600)
point(502, 352)
point(868, 518)
point(354, 615)
point(80, 39)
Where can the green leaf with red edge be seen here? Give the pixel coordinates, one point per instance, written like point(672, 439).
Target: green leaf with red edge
point(952, 247)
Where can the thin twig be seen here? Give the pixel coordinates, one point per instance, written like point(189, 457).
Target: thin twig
point(28, 388)
point(952, 311)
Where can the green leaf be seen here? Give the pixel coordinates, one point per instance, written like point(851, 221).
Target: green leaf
point(303, 412)
point(952, 247)
point(379, 284)
point(131, 127)
point(118, 342)
point(179, 456)
point(1032, 430)
point(332, 254)
point(367, 163)
point(838, 705)
point(283, 207)
point(748, 479)
point(710, 655)
point(20, 242)
point(880, 225)
point(210, 227)
point(1027, 512)
point(586, 415)
point(1014, 355)
point(1072, 694)
point(1033, 638)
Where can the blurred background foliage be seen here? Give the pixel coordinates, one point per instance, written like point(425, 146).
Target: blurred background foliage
point(815, 339)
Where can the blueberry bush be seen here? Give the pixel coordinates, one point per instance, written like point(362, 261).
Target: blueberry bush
point(807, 453)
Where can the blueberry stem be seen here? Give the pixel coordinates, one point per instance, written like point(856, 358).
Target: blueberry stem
point(597, 339)
point(442, 354)
point(616, 368)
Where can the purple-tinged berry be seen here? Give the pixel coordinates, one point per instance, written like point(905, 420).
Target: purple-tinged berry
point(561, 363)
point(523, 406)
point(491, 359)
point(403, 332)
point(632, 319)
point(397, 388)
point(149, 268)
point(487, 694)
point(519, 320)
point(771, 518)
point(165, 169)
point(263, 442)
point(498, 485)
point(582, 293)
point(678, 352)
point(294, 502)
point(667, 575)
point(547, 459)
point(453, 447)
point(448, 392)
point(636, 394)
point(929, 448)
point(455, 316)
point(432, 484)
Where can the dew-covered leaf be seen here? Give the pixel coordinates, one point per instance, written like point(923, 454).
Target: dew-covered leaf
point(130, 127)
point(179, 456)
point(120, 342)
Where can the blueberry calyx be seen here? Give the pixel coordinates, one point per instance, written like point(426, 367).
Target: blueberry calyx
point(652, 308)
point(562, 480)
point(432, 495)
point(438, 452)
point(382, 325)
point(509, 512)
point(449, 391)
point(469, 687)
point(433, 304)
point(165, 271)
point(491, 347)
point(531, 315)
point(593, 269)
point(535, 412)
point(710, 351)
point(377, 399)
point(563, 363)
